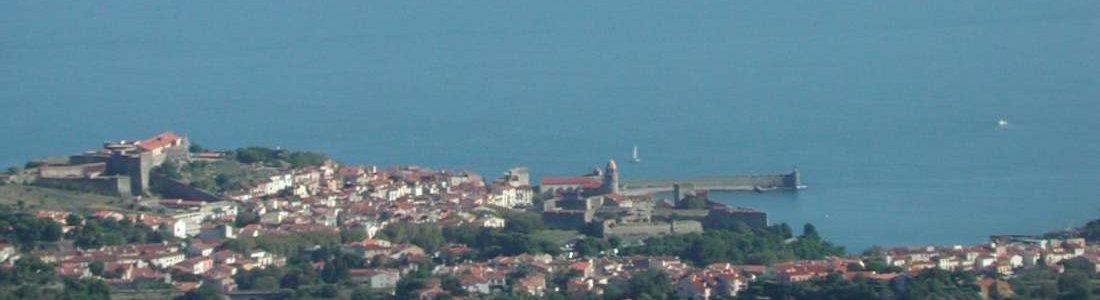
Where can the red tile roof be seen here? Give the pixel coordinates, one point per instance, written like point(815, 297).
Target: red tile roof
point(581, 181)
point(618, 198)
point(159, 141)
point(185, 286)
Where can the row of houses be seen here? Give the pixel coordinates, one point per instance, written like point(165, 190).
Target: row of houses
point(1002, 256)
point(132, 265)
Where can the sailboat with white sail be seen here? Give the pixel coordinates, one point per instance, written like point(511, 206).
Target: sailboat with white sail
point(635, 157)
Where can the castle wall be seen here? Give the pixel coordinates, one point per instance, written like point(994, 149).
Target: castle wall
point(180, 152)
point(686, 226)
point(617, 230)
point(105, 185)
point(681, 213)
point(138, 166)
point(72, 171)
point(567, 219)
point(82, 159)
point(651, 229)
point(116, 164)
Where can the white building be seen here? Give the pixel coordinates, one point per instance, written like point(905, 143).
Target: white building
point(492, 222)
point(512, 190)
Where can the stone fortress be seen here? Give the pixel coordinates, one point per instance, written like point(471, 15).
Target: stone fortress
point(596, 200)
point(120, 168)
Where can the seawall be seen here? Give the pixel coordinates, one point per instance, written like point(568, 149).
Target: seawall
point(791, 181)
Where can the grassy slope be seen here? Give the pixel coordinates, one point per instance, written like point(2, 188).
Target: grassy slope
point(53, 199)
point(240, 173)
point(558, 237)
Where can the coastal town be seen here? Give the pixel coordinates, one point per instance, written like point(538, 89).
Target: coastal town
point(260, 223)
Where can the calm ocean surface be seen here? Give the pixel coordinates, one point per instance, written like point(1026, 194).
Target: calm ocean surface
point(889, 109)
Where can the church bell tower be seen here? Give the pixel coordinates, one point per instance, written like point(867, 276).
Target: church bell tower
point(611, 177)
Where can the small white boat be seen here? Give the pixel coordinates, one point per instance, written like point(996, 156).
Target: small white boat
point(635, 158)
point(1002, 123)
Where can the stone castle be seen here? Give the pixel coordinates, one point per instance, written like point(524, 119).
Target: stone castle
point(120, 168)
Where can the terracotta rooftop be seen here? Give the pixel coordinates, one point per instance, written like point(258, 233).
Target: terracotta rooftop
point(581, 181)
point(159, 141)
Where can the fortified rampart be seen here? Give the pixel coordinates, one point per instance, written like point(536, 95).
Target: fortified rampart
point(718, 216)
point(72, 171)
point(681, 213)
point(574, 212)
point(106, 185)
point(121, 163)
point(567, 219)
point(612, 229)
point(84, 178)
point(136, 165)
point(89, 157)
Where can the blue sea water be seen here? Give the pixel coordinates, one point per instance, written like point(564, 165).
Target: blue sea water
point(888, 108)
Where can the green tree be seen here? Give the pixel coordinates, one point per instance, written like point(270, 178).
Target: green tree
point(523, 222)
point(72, 220)
point(306, 159)
point(1074, 285)
point(809, 231)
point(245, 218)
point(352, 234)
point(96, 267)
point(1091, 231)
point(27, 271)
point(169, 169)
point(267, 283)
point(755, 246)
point(51, 232)
point(1079, 264)
point(335, 271)
point(613, 292)
point(426, 236)
point(370, 294)
point(591, 246)
point(650, 285)
point(89, 289)
point(452, 285)
point(206, 292)
point(26, 230)
point(102, 232)
point(407, 285)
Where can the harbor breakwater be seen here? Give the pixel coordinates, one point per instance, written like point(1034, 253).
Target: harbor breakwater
point(760, 183)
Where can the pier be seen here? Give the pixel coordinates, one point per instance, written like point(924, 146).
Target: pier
point(791, 181)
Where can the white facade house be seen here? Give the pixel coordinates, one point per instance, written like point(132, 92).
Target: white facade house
point(179, 229)
point(492, 222)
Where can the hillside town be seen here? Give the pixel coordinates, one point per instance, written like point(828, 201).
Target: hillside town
point(383, 220)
